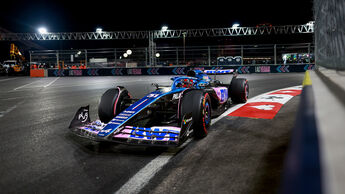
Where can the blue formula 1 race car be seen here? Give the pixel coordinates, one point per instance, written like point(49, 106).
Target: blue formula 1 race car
point(167, 116)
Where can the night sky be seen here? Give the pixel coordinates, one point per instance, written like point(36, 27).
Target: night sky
point(68, 16)
point(62, 15)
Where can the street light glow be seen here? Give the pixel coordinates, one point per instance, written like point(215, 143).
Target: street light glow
point(99, 30)
point(129, 52)
point(235, 25)
point(164, 28)
point(125, 55)
point(42, 30)
point(158, 55)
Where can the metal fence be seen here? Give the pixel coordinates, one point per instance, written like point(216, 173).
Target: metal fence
point(176, 56)
point(330, 33)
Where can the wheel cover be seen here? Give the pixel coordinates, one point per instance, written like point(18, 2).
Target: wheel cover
point(207, 113)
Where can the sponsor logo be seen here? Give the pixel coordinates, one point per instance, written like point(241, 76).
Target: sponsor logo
point(118, 120)
point(263, 69)
point(127, 115)
point(176, 96)
point(76, 72)
point(83, 116)
point(185, 121)
point(119, 117)
point(106, 130)
point(154, 134)
point(152, 95)
point(134, 71)
point(189, 131)
point(222, 94)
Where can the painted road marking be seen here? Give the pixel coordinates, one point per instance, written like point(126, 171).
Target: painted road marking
point(51, 82)
point(13, 98)
point(8, 79)
point(266, 106)
point(3, 113)
point(143, 176)
point(25, 85)
point(261, 110)
point(291, 92)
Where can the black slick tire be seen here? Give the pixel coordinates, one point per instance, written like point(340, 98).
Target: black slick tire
point(112, 103)
point(199, 103)
point(239, 90)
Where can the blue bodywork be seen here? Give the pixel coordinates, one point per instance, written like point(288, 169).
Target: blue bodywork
point(134, 109)
point(198, 82)
point(121, 127)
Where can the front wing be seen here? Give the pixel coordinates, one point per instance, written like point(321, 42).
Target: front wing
point(157, 135)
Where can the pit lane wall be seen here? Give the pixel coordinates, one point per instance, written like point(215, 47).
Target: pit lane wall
point(176, 70)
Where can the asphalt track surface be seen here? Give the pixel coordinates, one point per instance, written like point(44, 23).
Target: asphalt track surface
point(39, 155)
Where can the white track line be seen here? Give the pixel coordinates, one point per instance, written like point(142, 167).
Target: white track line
point(8, 79)
point(14, 98)
point(51, 82)
point(25, 85)
point(143, 176)
point(3, 113)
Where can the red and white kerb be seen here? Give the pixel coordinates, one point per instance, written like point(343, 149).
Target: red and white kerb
point(266, 106)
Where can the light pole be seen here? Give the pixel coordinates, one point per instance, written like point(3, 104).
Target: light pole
point(184, 47)
point(157, 56)
point(128, 53)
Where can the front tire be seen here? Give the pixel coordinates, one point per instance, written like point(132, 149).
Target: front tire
point(112, 103)
point(199, 103)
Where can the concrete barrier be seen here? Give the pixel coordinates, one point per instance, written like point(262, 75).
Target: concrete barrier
point(38, 73)
point(241, 69)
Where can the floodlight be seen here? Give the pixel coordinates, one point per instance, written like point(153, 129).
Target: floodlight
point(235, 25)
point(99, 30)
point(42, 30)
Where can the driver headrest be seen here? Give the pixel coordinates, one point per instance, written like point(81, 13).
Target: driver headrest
point(191, 73)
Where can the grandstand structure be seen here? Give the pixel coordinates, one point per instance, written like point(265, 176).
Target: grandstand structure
point(160, 34)
point(197, 33)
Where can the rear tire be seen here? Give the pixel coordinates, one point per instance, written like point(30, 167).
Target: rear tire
point(239, 90)
point(112, 103)
point(199, 103)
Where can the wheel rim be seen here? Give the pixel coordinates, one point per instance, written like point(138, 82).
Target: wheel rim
point(207, 114)
point(246, 90)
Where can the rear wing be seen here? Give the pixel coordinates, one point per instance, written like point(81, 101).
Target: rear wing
point(219, 71)
point(222, 71)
